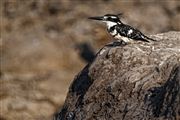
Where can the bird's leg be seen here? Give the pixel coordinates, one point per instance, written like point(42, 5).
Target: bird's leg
point(117, 43)
point(122, 43)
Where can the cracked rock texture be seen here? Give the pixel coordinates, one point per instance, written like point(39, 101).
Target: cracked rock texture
point(137, 81)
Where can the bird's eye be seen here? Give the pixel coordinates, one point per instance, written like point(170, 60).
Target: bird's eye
point(105, 17)
point(108, 18)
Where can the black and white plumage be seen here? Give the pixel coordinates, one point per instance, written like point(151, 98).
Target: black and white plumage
point(120, 30)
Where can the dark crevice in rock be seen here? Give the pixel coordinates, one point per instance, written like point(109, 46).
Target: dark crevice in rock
point(79, 88)
point(125, 111)
point(81, 84)
point(162, 101)
point(61, 115)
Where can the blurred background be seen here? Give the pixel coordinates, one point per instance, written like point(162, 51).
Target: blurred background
point(45, 43)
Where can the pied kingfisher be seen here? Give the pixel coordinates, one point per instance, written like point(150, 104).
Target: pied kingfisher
point(120, 30)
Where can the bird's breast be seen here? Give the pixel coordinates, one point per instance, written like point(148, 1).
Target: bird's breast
point(125, 39)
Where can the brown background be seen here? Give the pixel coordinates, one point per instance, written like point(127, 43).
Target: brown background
point(38, 54)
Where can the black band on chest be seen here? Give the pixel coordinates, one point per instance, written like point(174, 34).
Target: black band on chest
point(111, 28)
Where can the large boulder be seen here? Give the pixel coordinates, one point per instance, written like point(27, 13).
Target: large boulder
point(138, 81)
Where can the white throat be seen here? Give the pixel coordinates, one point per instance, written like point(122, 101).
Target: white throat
point(110, 24)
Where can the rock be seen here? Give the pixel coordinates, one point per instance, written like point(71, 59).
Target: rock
point(136, 81)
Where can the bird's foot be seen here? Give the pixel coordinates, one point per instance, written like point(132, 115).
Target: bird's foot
point(122, 43)
point(117, 43)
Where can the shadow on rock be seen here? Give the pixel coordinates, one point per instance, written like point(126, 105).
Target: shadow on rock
point(163, 101)
point(79, 88)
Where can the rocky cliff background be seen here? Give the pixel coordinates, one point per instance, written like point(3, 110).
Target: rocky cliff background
point(43, 44)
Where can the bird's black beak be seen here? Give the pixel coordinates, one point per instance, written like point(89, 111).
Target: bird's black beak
point(96, 18)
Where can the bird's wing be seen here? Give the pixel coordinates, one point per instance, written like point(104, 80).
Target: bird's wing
point(130, 32)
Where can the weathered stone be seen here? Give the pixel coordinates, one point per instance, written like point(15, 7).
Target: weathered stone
point(136, 81)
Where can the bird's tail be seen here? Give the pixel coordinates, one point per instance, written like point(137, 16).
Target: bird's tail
point(146, 37)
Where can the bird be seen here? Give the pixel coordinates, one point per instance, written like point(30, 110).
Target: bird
point(121, 31)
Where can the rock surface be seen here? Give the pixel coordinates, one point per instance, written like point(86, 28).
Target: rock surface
point(136, 81)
